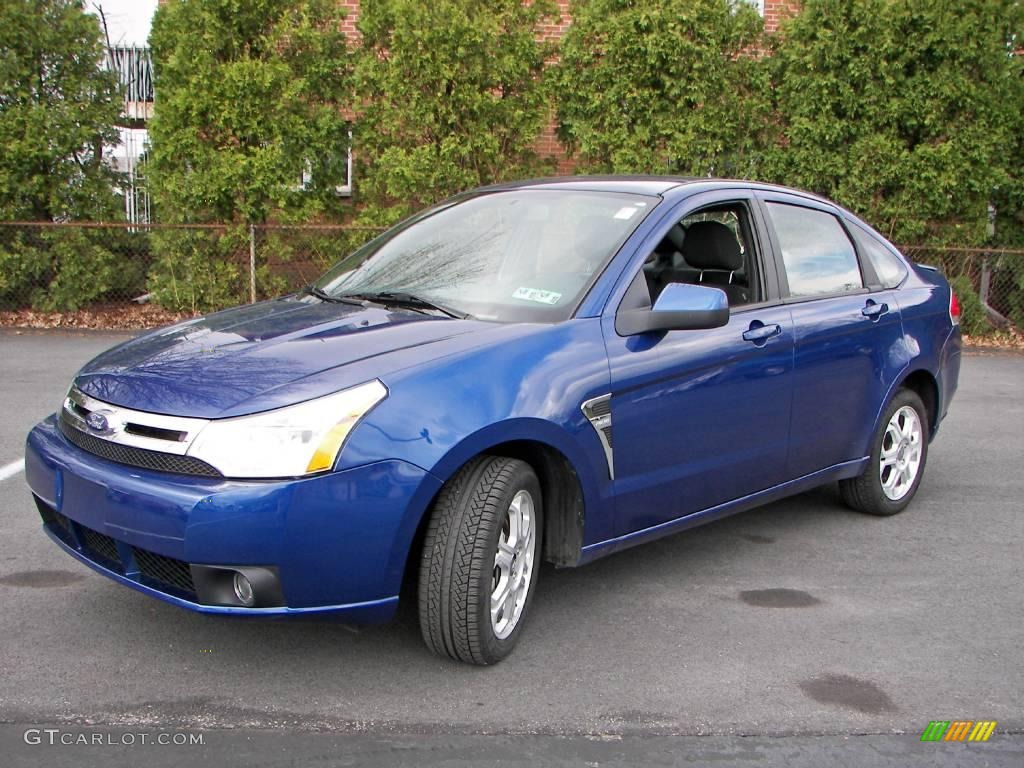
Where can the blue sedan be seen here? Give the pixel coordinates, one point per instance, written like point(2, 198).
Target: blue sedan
point(556, 369)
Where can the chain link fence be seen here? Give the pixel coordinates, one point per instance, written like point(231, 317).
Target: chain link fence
point(122, 275)
point(181, 269)
point(989, 284)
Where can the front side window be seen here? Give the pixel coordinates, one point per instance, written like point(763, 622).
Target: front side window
point(817, 254)
point(525, 255)
point(712, 246)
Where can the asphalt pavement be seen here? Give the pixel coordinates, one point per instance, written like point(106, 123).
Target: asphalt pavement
point(798, 633)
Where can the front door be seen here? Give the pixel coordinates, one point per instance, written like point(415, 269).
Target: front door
point(701, 417)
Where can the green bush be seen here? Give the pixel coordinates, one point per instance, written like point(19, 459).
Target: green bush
point(906, 111)
point(252, 98)
point(23, 268)
point(973, 318)
point(200, 270)
point(663, 86)
point(63, 269)
point(452, 96)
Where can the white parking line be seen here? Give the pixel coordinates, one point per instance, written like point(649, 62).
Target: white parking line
point(11, 469)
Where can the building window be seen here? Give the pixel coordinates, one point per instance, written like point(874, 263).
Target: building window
point(758, 5)
point(309, 172)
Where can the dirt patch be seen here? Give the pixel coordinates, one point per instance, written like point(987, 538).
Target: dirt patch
point(849, 693)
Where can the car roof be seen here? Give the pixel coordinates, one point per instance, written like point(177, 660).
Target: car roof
point(645, 185)
point(640, 185)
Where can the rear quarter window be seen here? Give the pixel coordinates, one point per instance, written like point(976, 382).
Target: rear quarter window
point(889, 267)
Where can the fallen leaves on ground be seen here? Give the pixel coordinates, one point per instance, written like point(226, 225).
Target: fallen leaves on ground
point(1010, 338)
point(112, 317)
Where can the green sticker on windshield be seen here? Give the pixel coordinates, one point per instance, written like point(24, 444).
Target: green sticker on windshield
point(536, 294)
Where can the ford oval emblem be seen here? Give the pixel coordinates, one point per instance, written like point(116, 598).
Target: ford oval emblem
point(97, 422)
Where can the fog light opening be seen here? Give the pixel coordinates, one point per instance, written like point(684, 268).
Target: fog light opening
point(243, 590)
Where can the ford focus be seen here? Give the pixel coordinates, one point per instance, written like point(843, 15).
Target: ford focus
point(550, 370)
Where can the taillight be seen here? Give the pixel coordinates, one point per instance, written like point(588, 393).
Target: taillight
point(954, 307)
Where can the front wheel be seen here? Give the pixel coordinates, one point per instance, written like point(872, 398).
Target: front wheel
point(480, 560)
point(898, 455)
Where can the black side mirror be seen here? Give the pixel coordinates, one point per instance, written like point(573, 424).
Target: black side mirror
point(680, 307)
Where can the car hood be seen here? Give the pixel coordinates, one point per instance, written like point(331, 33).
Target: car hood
point(264, 356)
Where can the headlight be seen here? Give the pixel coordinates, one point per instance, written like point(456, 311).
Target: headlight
point(287, 442)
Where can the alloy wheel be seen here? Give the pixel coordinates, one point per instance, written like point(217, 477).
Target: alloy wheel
point(513, 565)
point(900, 458)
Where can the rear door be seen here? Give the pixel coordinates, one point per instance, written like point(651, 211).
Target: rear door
point(701, 417)
point(846, 329)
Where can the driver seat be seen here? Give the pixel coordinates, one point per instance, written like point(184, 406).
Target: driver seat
point(712, 248)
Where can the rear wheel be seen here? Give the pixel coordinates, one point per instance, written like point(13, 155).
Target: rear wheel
point(480, 558)
point(898, 456)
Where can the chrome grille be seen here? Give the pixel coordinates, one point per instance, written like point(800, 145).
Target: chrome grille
point(136, 457)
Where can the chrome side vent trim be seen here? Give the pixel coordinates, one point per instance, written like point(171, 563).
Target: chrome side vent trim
point(598, 411)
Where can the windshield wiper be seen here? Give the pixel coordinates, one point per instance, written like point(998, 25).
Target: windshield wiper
point(320, 293)
point(410, 300)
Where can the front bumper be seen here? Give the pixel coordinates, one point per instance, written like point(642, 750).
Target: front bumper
point(338, 542)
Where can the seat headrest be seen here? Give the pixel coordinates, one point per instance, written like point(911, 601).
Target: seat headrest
point(712, 245)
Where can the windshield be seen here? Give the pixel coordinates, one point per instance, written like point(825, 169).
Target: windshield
point(521, 255)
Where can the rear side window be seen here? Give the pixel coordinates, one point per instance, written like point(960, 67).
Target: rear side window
point(817, 254)
point(888, 266)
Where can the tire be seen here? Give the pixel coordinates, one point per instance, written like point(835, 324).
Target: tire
point(461, 564)
point(881, 492)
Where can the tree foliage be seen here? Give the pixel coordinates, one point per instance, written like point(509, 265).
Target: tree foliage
point(249, 125)
point(451, 96)
point(907, 111)
point(251, 96)
point(663, 86)
point(57, 113)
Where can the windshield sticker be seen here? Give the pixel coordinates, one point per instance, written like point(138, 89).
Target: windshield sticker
point(626, 213)
point(536, 294)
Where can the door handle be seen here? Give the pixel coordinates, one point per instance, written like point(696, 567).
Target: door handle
point(761, 333)
point(873, 310)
